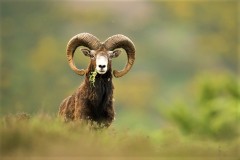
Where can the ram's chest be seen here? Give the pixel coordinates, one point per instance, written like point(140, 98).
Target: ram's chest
point(99, 97)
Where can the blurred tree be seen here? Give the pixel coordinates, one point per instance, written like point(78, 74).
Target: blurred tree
point(215, 111)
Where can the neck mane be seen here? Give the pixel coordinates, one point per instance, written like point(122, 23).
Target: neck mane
point(101, 92)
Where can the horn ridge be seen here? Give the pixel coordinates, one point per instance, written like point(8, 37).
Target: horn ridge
point(82, 39)
point(121, 41)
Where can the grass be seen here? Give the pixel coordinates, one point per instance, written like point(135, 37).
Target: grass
point(43, 136)
point(92, 77)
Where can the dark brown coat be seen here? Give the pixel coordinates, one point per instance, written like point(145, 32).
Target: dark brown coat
point(93, 103)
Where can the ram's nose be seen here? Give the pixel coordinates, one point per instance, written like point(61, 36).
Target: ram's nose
point(101, 66)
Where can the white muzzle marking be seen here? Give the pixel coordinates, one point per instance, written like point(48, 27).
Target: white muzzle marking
point(101, 64)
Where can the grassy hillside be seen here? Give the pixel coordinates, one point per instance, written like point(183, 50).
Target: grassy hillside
point(44, 136)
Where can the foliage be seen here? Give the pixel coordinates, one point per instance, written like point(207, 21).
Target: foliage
point(92, 77)
point(215, 111)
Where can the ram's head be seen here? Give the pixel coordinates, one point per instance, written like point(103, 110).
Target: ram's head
point(101, 53)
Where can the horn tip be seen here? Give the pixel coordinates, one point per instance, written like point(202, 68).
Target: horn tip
point(117, 74)
point(80, 72)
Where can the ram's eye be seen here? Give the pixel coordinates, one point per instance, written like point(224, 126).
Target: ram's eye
point(92, 56)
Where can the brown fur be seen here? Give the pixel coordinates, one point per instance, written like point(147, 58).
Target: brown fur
point(91, 103)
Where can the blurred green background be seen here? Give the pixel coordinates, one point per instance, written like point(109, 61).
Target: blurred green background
point(185, 75)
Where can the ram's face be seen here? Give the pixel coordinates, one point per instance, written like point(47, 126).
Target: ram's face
point(102, 63)
point(101, 60)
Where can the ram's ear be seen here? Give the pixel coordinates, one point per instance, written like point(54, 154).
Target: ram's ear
point(115, 53)
point(87, 52)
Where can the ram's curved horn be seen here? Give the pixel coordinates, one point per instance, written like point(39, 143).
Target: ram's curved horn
point(82, 39)
point(121, 41)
